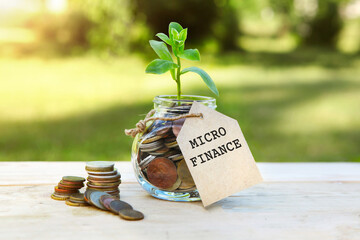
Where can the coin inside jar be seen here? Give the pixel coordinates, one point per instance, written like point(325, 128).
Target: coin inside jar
point(161, 172)
point(160, 151)
point(184, 174)
point(175, 186)
point(163, 128)
point(177, 125)
point(150, 139)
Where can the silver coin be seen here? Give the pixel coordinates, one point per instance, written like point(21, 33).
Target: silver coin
point(96, 177)
point(150, 147)
point(100, 164)
point(114, 172)
point(145, 162)
point(95, 199)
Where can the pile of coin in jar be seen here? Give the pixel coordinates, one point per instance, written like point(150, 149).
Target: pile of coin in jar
point(160, 159)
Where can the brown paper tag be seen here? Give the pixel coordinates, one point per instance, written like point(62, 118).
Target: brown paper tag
point(217, 154)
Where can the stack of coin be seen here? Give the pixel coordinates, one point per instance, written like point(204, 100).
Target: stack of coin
point(107, 202)
point(67, 186)
point(77, 200)
point(160, 159)
point(102, 176)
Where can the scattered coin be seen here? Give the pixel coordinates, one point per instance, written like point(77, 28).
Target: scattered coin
point(131, 214)
point(117, 205)
point(105, 200)
point(95, 199)
point(87, 195)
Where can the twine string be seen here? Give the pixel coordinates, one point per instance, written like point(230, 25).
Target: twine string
point(141, 125)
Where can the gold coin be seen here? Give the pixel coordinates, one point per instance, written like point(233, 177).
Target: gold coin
point(110, 173)
point(185, 176)
point(108, 184)
point(97, 188)
point(112, 178)
point(175, 186)
point(131, 214)
point(77, 197)
point(73, 179)
point(59, 198)
point(151, 139)
point(76, 201)
point(68, 202)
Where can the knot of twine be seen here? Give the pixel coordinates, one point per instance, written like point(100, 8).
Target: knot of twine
point(141, 125)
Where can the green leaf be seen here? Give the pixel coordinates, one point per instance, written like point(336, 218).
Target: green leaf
point(161, 50)
point(160, 66)
point(205, 77)
point(190, 54)
point(174, 34)
point(179, 43)
point(163, 37)
point(176, 26)
point(183, 34)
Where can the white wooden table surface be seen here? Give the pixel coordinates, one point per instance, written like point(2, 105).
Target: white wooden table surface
point(296, 201)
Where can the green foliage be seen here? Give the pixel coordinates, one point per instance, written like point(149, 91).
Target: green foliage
point(325, 27)
point(190, 54)
point(176, 40)
point(205, 77)
point(160, 66)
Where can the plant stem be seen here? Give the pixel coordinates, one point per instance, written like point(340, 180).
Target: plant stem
point(178, 82)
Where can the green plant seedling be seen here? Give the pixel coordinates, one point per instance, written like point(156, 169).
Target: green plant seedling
point(176, 40)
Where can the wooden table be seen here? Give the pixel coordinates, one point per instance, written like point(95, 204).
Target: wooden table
point(297, 201)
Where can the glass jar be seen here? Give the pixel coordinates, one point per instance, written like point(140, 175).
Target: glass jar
point(159, 165)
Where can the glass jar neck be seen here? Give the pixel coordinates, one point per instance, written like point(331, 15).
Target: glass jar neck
point(171, 105)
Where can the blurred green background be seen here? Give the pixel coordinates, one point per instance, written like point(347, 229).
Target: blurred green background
point(72, 74)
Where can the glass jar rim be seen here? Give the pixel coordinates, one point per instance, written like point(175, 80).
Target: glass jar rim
point(184, 99)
